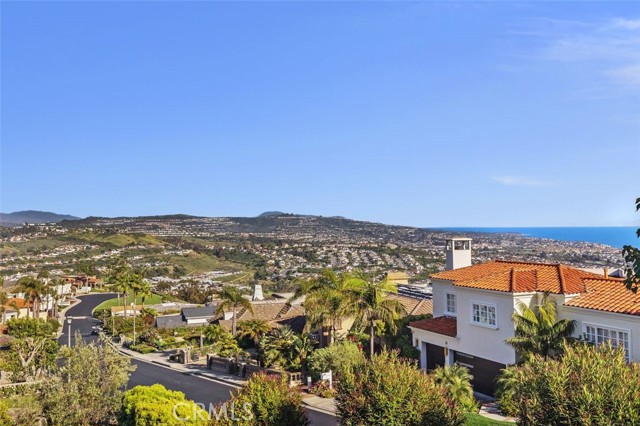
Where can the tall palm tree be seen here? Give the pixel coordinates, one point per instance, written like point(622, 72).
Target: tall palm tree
point(34, 289)
point(3, 309)
point(55, 294)
point(144, 290)
point(119, 279)
point(255, 330)
point(330, 298)
point(231, 299)
point(138, 287)
point(374, 307)
point(538, 330)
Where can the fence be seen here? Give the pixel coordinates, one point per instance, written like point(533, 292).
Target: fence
point(241, 369)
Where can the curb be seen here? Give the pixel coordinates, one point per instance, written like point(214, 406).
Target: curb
point(172, 367)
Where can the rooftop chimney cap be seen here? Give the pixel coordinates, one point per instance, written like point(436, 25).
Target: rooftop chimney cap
point(257, 292)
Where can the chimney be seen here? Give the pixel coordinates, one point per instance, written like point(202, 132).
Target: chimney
point(458, 253)
point(606, 272)
point(257, 292)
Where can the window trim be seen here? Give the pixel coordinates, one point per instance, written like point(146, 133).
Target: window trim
point(609, 328)
point(455, 302)
point(488, 304)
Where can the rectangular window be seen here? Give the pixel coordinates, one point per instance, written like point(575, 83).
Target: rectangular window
point(483, 314)
point(450, 304)
point(617, 338)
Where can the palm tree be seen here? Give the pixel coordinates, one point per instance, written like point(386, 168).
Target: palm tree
point(55, 294)
point(374, 308)
point(538, 330)
point(34, 290)
point(138, 287)
point(3, 301)
point(231, 299)
point(254, 329)
point(277, 346)
point(456, 379)
point(329, 298)
point(120, 280)
point(221, 340)
point(14, 305)
point(144, 290)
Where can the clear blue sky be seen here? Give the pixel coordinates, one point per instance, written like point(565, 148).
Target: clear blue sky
point(426, 114)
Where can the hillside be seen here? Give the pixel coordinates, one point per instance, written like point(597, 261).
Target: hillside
point(273, 224)
point(32, 216)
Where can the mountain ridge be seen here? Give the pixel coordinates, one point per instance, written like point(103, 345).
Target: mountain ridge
point(33, 216)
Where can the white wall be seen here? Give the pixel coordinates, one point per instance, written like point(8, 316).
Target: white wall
point(475, 339)
point(489, 343)
point(630, 323)
point(194, 321)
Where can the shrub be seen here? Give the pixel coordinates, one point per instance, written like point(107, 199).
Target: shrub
point(402, 339)
point(588, 385)
point(457, 380)
point(322, 389)
point(31, 327)
point(264, 401)
point(340, 358)
point(5, 420)
point(142, 348)
point(90, 388)
point(156, 405)
point(391, 391)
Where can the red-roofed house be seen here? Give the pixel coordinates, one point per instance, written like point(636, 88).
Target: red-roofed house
point(473, 307)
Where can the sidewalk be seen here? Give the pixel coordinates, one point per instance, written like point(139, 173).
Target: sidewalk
point(192, 369)
point(324, 405)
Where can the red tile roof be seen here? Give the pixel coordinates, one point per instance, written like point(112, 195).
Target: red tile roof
point(519, 277)
point(608, 295)
point(447, 326)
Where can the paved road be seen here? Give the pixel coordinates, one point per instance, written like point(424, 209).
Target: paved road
point(195, 388)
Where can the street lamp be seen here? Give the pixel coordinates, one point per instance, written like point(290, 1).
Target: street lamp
point(133, 307)
point(69, 319)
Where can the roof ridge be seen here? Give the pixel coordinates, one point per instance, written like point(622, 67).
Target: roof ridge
point(415, 308)
point(524, 262)
point(561, 278)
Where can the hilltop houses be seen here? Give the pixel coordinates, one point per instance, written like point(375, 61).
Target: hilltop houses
point(473, 307)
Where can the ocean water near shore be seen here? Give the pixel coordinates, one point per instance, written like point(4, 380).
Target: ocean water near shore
point(616, 236)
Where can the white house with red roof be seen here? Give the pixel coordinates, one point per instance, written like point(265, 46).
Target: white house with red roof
point(473, 307)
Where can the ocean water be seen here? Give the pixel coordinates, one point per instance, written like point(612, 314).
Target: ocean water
point(616, 236)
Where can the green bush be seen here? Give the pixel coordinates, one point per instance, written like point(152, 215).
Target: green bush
point(322, 389)
point(142, 348)
point(341, 357)
point(31, 327)
point(156, 405)
point(457, 380)
point(588, 385)
point(5, 420)
point(402, 339)
point(390, 391)
point(264, 401)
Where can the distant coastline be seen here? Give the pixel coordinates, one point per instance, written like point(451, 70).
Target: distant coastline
point(615, 236)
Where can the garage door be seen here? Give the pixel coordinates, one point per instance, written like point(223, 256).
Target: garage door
point(484, 372)
point(435, 356)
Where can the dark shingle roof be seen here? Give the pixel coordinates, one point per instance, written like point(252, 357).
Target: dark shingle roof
point(170, 321)
point(199, 312)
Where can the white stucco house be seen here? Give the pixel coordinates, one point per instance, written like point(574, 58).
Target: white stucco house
point(473, 308)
